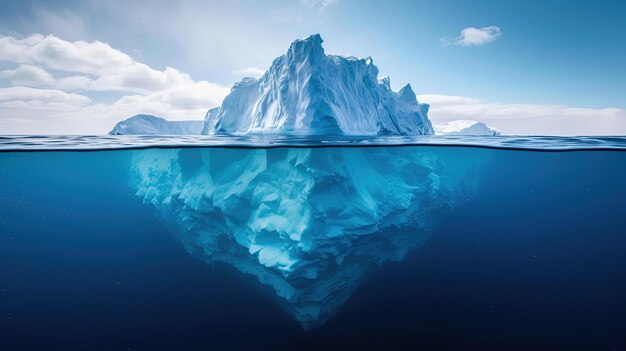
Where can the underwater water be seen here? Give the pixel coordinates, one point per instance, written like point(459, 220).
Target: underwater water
point(516, 244)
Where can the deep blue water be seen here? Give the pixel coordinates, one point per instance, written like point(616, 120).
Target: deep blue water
point(534, 260)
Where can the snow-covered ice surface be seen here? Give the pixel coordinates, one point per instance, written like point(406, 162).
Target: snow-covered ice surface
point(464, 127)
point(308, 222)
point(306, 92)
point(147, 124)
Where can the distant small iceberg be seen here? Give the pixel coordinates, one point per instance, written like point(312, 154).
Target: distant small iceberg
point(148, 124)
point(464, 127)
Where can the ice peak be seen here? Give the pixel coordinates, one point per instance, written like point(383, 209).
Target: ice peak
point(244, 81)
point(306, 47)
point(406, 94)
point(385, 82)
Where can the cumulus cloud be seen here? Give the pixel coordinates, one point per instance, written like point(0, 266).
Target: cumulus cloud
point(97, 65)
point(250, 72)
point(528, 119)
point(26, 110)
point(32, 95)
point(52, 52)
point(472, 36)
point(58, 76)
point(28, 75)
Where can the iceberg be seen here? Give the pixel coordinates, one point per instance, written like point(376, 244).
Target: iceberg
point(148, 124)
point(464, 127)
point(308, 223)
point(306, 92)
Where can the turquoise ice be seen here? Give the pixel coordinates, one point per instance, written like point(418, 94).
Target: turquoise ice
point(308, 222)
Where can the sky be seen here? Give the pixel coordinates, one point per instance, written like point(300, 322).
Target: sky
point(524, 67)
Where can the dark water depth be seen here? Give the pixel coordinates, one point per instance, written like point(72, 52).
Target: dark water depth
point(535, 259)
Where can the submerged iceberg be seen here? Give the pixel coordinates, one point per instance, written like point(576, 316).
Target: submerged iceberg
point(148, 124)
point(464, 127)
point(309, 223)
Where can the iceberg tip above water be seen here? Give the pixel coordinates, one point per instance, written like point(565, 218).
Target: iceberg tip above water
point(307, 92)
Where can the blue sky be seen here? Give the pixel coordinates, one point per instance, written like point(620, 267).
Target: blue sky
point(550, 55)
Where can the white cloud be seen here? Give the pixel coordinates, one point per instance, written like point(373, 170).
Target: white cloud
point(44, 111)
point(53, 79)
point(528, 119)
point(472, 36)
point(98, 66)
point(39, 101)
point(55, 53)
point(26, 94)
point(183, 102)
point(250, 72)
point(28, 75)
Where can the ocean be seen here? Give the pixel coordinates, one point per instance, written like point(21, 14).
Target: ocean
point(511, 243)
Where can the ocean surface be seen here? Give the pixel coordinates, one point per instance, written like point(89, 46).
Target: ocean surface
point(525, 250)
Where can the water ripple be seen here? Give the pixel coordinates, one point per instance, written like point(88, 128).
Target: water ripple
point(114, 142)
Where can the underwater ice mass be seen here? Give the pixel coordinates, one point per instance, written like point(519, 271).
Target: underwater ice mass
point(309, 223)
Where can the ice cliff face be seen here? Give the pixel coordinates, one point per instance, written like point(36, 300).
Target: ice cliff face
point(464, 127)
point(306, 92)
point(147, 124)
point(309, 223)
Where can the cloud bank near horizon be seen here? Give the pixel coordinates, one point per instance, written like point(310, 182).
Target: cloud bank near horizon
point(528, 119)
point(52, 86)
point(58, 86)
